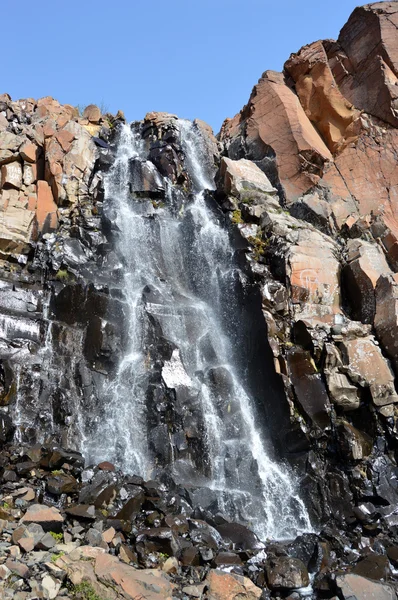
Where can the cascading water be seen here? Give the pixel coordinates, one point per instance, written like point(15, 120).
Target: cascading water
point(178, 271)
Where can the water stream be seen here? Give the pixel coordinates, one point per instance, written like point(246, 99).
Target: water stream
point(179, 272)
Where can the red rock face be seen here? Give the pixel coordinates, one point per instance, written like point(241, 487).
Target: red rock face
point(274, 118)
point(325, 132)
point(331, 119)
point(365, 60)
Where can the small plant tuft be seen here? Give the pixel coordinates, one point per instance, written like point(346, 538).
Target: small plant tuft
point(157, 204)
point(55, 557)
point(58, 537)
point(62, 275)
point(237, 217)
point(259, 246)
point(84, 591)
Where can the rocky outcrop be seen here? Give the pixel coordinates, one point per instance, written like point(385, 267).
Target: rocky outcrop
point(323, 250)
point(328, 123)
point(166, 548)
point(46, 161)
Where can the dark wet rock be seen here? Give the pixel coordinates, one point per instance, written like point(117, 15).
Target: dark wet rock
point(373, 566)
point(202, 533)
point(62, 484)
point(6, 428)
point(60, 456)
point(309, 550)
point(384, 479)
point(157, 539)
point(100, 489)
point(226, 559)
point(145, 179)
point(240, 536)
point(310, 389)
point(354, 444)
point(190, 556)
point(392, 553)
point(133, 505)
point(177, 523)
point(286, 573)
point(85, 512)
point(25, 467)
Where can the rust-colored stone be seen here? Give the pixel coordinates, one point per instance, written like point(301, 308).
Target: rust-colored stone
point(46, 211)
point(335, 117)
point(274, 119)
point(228, 586)
point(152, 584)
point(65, 138)
point(92, 113)
point(365, 60)
point(28, 152)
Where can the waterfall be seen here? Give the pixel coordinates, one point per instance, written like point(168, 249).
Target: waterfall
point(179, 273)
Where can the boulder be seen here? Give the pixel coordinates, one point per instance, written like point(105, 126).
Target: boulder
point(62, 484)
point(9, 146)
point(374, 567)
point(92, 113)
point(284, 573)
point(239, 176)
point(48, 517)
point(18, 227)
point(341, 391)
point(309, 387)
point(365, 263)
point(386, 317)
point(65, 139)
point(228, 586)
point(29, 174)
point(145, 179)
point(354, 444)
point(11, 175)
point(152, 584)
point(132, 506)
point(354, 587)
point(28, 152)
point(366, 365)
point(84, 512)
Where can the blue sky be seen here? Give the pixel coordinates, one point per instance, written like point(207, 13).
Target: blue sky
point(194, 58)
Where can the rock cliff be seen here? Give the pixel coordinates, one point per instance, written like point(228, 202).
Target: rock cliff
point(307, 191)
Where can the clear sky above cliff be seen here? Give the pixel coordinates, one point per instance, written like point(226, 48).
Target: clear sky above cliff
point(195, 58)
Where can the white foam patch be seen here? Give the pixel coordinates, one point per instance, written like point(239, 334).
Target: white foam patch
point(173, 372)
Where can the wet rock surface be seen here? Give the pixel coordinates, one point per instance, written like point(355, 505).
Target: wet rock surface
point(54, 546)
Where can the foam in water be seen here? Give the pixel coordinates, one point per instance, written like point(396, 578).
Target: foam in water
point(186, 261)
